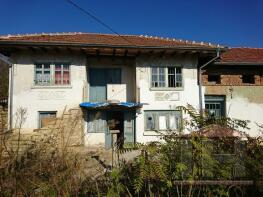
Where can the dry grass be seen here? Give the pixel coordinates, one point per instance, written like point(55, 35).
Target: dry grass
point(50, 162)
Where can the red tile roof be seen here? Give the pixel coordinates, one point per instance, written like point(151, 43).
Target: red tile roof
point(242, 55)
point(105, 39)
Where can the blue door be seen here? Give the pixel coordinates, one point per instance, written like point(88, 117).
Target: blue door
point(129, 128)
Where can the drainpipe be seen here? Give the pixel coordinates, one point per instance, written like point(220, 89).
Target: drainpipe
point(200, 80)
point(8, 61)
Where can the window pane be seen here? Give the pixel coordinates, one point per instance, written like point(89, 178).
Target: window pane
point(39, 66)
point(58, 77)
point(46, 66)
point(172, 122)
point(155, 70)
point(58, 67)
point(150, 124)
point(178, 70)
point(65, 67)
point(66, 77)
point(161, 70)
point(171, 77)
point(162, 123)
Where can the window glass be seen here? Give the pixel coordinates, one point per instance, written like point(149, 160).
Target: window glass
point(150, 123)
point(60, 76)
point(162, 122)
point(172, 74)
point(97, 122)
point(173, 122)
point(215, 106)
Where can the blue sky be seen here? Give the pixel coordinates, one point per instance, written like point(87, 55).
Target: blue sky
point(228, 22)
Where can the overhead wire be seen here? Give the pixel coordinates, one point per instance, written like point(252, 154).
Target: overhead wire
point(98, 20)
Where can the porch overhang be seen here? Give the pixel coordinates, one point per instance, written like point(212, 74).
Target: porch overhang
point(111, 106)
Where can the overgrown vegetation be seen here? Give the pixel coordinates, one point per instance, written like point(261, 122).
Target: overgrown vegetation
point(180, 164)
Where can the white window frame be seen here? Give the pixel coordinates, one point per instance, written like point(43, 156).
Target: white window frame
point(52, 73)
point(156, 114)
point(166, 86)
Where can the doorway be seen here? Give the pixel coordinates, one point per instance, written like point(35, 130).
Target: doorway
point(115, 120)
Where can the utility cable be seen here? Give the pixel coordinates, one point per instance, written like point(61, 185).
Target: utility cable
point(98, 20)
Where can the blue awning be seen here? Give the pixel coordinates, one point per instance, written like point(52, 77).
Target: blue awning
point(108, 105)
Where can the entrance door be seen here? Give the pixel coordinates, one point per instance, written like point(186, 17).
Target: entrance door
point(115, 122)
point(99, 78)
point(129, 128)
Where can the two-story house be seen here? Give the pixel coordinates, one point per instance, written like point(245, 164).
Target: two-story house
point(137, 81)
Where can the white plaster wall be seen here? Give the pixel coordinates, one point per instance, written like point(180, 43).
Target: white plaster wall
point(189, 94)
point(243, 109)
point(243, 103)
point(49, 98)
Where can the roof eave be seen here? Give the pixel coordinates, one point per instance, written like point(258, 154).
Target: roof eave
point(74, 44)
point(239, 63)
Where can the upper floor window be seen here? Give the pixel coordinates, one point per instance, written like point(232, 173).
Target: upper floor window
point(216, 79)
point(169, 77)
point(52, 74)
point(248, 79)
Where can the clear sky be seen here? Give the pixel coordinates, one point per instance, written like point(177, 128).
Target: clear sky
point(227, 22)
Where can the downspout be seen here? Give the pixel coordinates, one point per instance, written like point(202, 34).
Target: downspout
point(200, 80)
point(10, 89)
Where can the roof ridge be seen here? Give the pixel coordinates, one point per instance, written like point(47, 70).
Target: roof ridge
point(40, 34)
point(181, 40)
point(108, 34)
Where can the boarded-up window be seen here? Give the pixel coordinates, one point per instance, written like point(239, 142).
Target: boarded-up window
point(46, 118)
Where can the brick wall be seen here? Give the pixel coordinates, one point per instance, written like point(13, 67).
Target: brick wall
point(233, 76)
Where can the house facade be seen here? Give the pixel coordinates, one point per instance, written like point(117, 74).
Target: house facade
point(131, 85)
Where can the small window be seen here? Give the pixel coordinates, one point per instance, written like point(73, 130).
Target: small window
point(52, 74)
point(162, 120)
point(170, 77)
point(214, 79)
point(248, 79)
point(46, 118)
point(215, 106)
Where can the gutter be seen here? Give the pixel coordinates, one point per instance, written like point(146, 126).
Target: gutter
point(8, 61)
point(200, 81)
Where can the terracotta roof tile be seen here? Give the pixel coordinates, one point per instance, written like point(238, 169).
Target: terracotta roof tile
point(105, 39)
point(236, 55)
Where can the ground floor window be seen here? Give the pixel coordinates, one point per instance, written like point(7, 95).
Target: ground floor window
point(161, 120)
point(215, 105)
point(97, 122)
point(46, 117)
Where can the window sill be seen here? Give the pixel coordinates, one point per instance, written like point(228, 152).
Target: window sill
point(51, 87)
point(167, 89)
